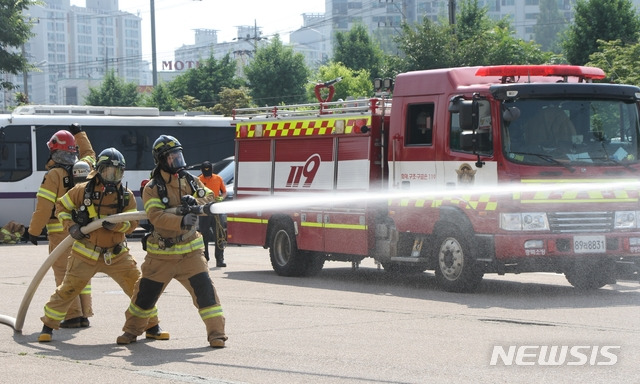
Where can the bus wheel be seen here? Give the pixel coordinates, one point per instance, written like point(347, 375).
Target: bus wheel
point(588, 275)
point(286, 260)
point(456, 269)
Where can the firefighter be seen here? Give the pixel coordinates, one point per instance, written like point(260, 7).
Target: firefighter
point(212, 227)
point(63, 154)
point(104, 250)
point(175, 250)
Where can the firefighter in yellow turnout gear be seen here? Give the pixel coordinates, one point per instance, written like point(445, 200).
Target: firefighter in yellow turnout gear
point(174, 249)
point(57, 181)
point(103, 250)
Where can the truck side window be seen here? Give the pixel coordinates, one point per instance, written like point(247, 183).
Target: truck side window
point(419, 129)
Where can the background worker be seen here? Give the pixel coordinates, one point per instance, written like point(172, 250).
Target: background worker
point(103, 250)
point(212, 227)
point(174, 248)
point(58, 180)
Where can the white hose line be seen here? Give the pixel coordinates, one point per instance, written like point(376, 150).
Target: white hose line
point(18, 322)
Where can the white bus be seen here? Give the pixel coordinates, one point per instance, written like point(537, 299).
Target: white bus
point(25, 132)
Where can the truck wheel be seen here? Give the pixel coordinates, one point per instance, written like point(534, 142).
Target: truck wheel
point(315, 262)
point(456, 269)
point(587, 275)
point(286, 260)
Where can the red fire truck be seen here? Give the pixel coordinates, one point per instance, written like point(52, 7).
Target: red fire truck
point(465, 171)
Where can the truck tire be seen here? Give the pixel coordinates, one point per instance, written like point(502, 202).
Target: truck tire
point(456, 268)
point(587, 276)
point(314, 263)
point(286, 259)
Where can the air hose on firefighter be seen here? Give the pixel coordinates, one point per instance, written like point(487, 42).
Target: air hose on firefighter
point(17, 322)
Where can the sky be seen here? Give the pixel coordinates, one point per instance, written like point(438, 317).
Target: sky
point(176, 20)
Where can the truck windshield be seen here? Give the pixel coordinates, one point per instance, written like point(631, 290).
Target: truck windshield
point(570, 131)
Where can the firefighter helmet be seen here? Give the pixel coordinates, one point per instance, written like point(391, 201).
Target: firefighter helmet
point(110, 167)
point(63, 148)
point(81, 170)
point(167, 153)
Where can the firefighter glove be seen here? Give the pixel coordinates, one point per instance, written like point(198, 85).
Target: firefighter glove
point(108, 225)
point(188, 200)
point(75, 232)
point(219, 199)
point(189, 220)
point(75, 128)
point(33, 239)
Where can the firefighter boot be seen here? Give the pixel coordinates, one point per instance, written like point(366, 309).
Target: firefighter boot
point(45, 334)
point(216, 343)
point(76, 322)
point(126, 338)
point(156, 333)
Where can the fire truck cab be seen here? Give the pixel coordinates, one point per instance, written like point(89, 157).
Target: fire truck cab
point(465, 171)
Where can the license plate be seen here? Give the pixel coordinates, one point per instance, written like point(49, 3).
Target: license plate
point(589, 244)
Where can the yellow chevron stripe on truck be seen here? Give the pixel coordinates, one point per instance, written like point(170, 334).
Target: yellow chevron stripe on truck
point(292, 128)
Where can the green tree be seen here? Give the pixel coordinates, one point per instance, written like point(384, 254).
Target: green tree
point(354, 83)
point(162, 99)
point(600, 19)
point(621, 62)
point(113, 92)
point(14, 33)
point(356, 50)
point(425, 46)
point(231, 99)
point(277, 75)
point(550, 25)
point(475, 40)
point(205, 82)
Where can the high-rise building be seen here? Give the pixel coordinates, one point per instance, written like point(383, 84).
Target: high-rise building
point(73, 47)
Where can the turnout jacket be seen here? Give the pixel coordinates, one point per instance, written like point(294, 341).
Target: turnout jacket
point(168, 226)
point(101, 242)
point(56, 183)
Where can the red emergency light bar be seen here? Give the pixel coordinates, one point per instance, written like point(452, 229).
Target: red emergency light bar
point(590, 73)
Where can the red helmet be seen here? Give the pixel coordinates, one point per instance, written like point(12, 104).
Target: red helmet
point(62, 141)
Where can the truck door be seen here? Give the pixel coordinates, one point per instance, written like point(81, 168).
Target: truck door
point(414, 153)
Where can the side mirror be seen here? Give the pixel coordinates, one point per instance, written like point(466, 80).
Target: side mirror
point(468, 115)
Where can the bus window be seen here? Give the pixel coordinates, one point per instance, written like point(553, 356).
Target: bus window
point(15, 154)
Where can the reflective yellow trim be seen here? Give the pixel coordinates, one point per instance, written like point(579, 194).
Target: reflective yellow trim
point(86, 290)
point(247, 220)
point(333, 226)
point(67, 203)
point(54, 227)
point(142, 313)
point(178, 249)
point(153, 203)
point(207, 313)
point(47, 195)
point(53, 314)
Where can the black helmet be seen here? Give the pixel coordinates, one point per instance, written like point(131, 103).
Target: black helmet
point(167, 153)
point(206, 169)
point(110, 167)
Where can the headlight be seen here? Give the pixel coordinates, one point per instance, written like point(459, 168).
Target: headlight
point(527, 221)
point(626, 219)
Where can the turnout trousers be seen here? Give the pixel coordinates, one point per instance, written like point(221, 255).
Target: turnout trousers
point(81, 306)
point(192, 271)
point(122, 269)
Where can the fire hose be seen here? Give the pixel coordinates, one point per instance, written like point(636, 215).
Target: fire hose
point(17, 322)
